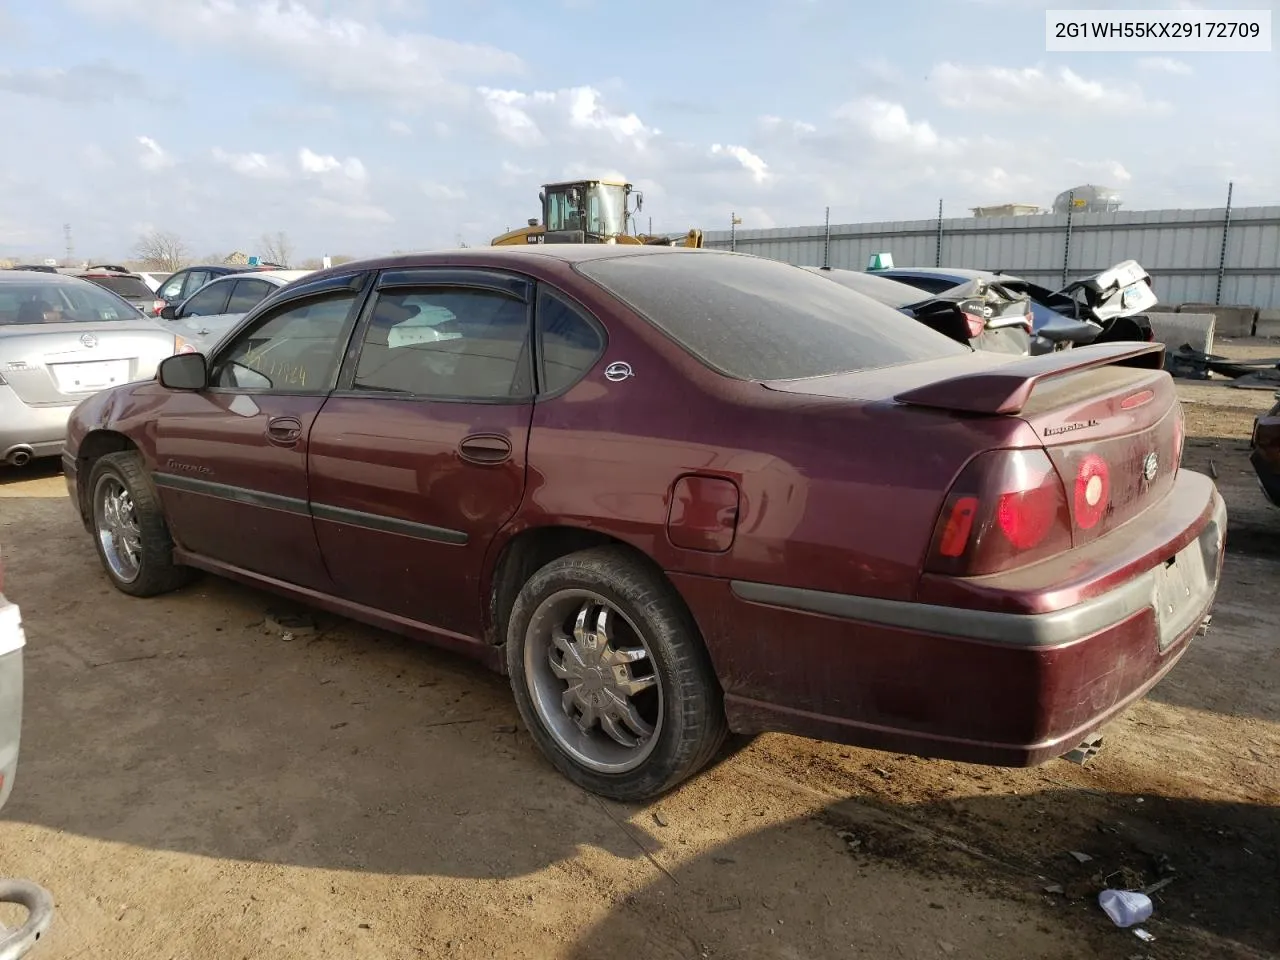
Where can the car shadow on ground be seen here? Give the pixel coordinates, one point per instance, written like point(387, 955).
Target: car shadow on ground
point(989, 876)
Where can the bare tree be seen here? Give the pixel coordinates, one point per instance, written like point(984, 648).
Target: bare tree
point(276, 248)
point(161, 250)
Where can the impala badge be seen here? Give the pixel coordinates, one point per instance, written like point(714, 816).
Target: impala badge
point(617, 372)
point(89, 340)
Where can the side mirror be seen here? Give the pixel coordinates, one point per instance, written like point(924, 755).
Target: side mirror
point(639, 201)
point(184, 371)
point(169, 312)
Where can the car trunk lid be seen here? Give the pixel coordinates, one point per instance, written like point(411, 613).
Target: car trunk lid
point(65, 362)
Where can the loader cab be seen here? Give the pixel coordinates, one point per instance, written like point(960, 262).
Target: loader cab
point(586, 211)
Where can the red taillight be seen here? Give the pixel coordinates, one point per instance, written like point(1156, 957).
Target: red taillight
point(1179, 436)
point(157, 306)
point(976, 323)
point(1093, 491)
point(1008, 508)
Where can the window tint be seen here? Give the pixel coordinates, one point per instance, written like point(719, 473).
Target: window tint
point(210, 301)
point(172, 289)
point(124, 286)
point(247, 294)
point(891, 293)
point(195, 280)
point(446, 342)
point(757, 319)
point(568, 344)
point(45, 302)
point(929, 284)
point(293, 350)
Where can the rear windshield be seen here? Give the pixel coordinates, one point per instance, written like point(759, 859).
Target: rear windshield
point(880, 289)
point(756, 319)
point(60, 302)
point(125, 286)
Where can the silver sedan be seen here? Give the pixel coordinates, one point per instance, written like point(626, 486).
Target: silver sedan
point(62, 339)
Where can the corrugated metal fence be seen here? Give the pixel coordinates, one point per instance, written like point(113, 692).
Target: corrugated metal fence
point(1224, 256)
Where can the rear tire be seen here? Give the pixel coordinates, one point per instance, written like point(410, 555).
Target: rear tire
point(611, 677)
point(129, 529)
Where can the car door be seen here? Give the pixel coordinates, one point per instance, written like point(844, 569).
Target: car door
point(418, 459)
point(232, 459)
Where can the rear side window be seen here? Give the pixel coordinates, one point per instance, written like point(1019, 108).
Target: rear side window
point(568, 343)
point(123, 286)
point(209, 302)
point(756, 319)
point(247, 294)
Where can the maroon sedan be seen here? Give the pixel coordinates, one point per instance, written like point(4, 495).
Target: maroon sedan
point(677, 492)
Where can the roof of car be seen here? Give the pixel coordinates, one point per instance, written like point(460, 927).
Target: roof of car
point(517, 255)
point(32, 276)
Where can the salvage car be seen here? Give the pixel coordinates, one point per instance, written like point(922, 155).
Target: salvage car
point(62, 338)
point(1264, 453)
point(1102, 308)
point(981, 313)
point(673, 493)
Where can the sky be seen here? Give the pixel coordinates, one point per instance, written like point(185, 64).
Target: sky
point(366, 126)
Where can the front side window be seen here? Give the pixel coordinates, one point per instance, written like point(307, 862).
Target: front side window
point(209, 301)
point(195, 280)
point(172, 289)
point(446, 342)
point(292, 350)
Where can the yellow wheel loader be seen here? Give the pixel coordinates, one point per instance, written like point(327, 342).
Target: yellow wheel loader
point(591, 211)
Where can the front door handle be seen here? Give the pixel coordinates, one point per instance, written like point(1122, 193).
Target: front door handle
point(284, 431)
point(485, 448)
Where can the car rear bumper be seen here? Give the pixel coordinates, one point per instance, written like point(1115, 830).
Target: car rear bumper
point(40, 428)
point(11, 644)
point(977, 685)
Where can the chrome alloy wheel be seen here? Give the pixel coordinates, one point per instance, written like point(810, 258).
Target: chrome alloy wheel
point(116, 522)
point(593, 681)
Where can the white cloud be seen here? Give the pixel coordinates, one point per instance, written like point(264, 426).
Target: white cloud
point(524, 118)
point(1036, 90)
point(758, 169)
point(350, 54)
point(399, 128)
point(321, 165)
point(442, 191)
point(255, 165)
point(888, 123)
point(153, 157)
point(1166, 65)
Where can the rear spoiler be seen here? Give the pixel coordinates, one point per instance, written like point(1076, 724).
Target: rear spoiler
point(1005, 389)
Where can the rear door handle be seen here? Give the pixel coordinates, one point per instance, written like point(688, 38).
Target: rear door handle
point(485, 448)
point(284, 431)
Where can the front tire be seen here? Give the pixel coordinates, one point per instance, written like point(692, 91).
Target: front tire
point(129, 529)
point(611, 677)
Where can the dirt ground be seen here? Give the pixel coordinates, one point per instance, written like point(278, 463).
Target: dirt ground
point(195, 785)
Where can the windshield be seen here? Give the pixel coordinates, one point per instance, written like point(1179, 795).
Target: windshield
point(60, 302)
point(756, 319)
point(599, 209)
point(124, 286)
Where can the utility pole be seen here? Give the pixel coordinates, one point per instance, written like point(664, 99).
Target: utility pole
point(734, 220)
point(66, 233)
